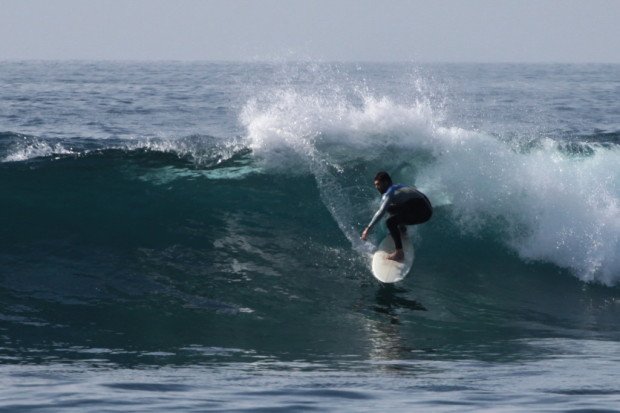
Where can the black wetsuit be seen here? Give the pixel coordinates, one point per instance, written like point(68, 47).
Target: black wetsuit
point(406, 206)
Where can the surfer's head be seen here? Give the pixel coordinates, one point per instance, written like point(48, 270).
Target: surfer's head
point(382, 182)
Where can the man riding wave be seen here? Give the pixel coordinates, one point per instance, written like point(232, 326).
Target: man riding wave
point(405, 205)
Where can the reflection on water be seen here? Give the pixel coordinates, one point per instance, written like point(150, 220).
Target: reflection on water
point(389, 300)
point(386, 341)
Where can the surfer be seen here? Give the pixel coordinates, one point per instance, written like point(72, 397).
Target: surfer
point(405, 205)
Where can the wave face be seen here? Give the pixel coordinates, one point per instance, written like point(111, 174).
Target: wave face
point(132, 214)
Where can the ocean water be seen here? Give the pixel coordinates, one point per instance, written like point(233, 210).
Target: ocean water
point(185, 237)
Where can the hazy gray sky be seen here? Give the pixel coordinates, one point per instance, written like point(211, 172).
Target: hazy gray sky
point(327, 30)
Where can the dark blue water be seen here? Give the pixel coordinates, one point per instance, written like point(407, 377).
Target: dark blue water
point(185, 237)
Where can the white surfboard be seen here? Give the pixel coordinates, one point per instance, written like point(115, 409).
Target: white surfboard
point(390, 271)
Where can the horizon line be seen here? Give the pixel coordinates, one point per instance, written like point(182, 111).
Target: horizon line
point(295, 61)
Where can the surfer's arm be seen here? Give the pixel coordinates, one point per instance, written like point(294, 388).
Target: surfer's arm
point(378, 215)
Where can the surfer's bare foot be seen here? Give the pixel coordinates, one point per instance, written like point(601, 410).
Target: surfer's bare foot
point(397, 255)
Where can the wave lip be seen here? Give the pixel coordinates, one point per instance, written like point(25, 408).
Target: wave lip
point(202, 150)
point(18, 147)
point(302, 123)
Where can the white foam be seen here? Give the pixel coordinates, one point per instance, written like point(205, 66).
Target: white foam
point(298, 122)
point(36, 149)
point(549, 205)
point(203, 150)
point(555, 207)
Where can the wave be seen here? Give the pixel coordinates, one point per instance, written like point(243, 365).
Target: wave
point(550, 200)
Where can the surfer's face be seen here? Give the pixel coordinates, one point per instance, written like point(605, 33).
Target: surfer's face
point(381, 186)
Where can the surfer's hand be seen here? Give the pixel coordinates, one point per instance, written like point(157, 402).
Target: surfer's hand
point(364, 234)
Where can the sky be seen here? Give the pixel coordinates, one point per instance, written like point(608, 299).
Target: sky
point(561, 31)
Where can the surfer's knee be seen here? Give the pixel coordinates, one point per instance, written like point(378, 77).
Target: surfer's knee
point(392, 222)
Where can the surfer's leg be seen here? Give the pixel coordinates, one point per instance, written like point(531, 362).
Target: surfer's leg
point(393, 224)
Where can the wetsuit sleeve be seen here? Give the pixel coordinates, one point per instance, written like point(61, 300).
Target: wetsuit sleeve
point(381, 211)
